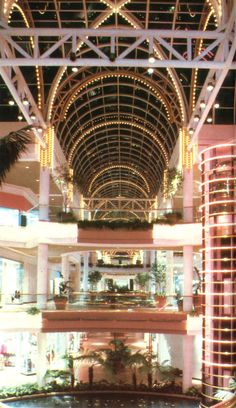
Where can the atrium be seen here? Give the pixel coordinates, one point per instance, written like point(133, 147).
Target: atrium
point(118, 188)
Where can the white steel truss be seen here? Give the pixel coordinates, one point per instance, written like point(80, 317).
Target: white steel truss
point(171, 41)
point(119, 204)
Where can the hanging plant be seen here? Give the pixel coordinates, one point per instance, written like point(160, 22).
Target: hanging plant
point(174, 180)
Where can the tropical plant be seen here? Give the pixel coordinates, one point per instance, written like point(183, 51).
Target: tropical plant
point(64, 290)
point(158, 274)
point(11, 148)
point(94, 278)
point(61, 375)
point(175, 180)
point(150, 367)
point(116, 356)
point(142, 279)
point(135, 361)
point(92, 358)
point(33, 310)
point(167, 372)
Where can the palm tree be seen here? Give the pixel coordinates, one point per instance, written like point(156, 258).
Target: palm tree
point(135, 360)
point(11, 147)
point(92, 358)
point(149, 367)
point(115, 358)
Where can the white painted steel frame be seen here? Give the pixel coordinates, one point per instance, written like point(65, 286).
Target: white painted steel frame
point(173, 59)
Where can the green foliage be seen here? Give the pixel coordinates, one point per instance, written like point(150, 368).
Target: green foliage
point(61, 375)
point(175, 180)
point(113, 225)
point(64, 290)
point(33, 310)
point(115, 358)
point(158, 273)
point(142, 279)
point(94, 278)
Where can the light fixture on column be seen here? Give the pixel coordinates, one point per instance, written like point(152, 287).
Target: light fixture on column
point(20, 117)
point(150, 71)
point(40, 130)
point(202, 104)
point(32, 116)
point(74, 69)
point(210, 86)
point(209, 119)
point(196, 118)
point(191, 130)
point(11, 102)
point(25, 101)
point(216, 105)
point(151, 58)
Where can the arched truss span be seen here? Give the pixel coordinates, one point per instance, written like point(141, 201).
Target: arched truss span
point(136, 148)
point(139, 81)
point(112, 183)
point(122, 125)
point(115, 166)
point(86, 109)
point(74, 84)
point(122, 216)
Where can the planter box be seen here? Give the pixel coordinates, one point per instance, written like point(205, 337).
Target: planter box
point(118, 236)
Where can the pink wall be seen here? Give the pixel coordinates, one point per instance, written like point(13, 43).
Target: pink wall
point(211, 135)
point(14, 201)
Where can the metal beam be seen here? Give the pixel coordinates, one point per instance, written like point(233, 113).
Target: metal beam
point(225, 53)
point(166, 39)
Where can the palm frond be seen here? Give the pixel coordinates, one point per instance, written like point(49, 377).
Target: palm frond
point(11, 147)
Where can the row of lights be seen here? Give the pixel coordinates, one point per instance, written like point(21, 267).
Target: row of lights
point(196, 118)
point(25, 102)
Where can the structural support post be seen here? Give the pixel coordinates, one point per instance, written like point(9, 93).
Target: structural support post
point(44, 189)
point(85, 274)
point(65, 267)
point(41, 358)
point(187, 362)
point(42, 275)
point(188, 249)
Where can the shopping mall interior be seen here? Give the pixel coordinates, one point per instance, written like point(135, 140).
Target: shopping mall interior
point(118, 195)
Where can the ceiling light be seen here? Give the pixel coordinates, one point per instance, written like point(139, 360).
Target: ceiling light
point(216, 105)
point(20, 117)
point(191, 131)
point(32, 116)
point(11, 102)
point(202, 104)
point(27, 167)
point(150, 71)
point(210, 86)
point(196, 118)
point(25, 102)
point(151, 59)
point(39, 129)
point(209, 119)
point(74, 69)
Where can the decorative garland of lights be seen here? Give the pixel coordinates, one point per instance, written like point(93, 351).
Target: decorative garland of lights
point(186, 156)
point(115, 75)
point(181, 102)
point(116, 166)
point(70, 156)
point(218, 277)
point(124, 116)
point(15, 5)
point(196, 69)
point(46, 155)
point(131, 183)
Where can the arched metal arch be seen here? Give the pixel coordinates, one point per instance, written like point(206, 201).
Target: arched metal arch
point(149, 86)
point(119, 182)
point(105, 124)
point(125, 166)
point(68, 133)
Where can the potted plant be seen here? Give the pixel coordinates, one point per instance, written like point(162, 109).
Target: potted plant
point(158, 273)
point(94, 278)
point(142, 279)
point(180, 302)
point(61, 298)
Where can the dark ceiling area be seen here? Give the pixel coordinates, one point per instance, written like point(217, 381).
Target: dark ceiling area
point(118, 126)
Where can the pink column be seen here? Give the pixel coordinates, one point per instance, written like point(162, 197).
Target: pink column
point(188, 249)
point(187, 362)
point(44, 188)
point(42, 275)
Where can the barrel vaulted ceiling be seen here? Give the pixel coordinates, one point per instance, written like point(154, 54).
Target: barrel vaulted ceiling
point(118, 126)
